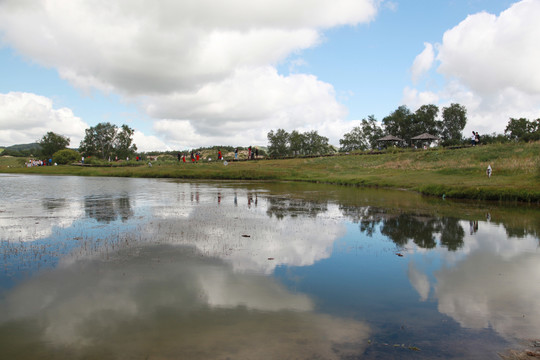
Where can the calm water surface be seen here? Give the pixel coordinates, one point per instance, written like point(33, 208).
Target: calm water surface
point(158, 269)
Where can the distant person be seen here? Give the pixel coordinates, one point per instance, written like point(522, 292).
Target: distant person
point(473, 139)
point(198, 156)
point(489, 171)
point(192, 156)
point(236, 154)
point(219, 157)
point(184, 158)
point(477, 138)
point(178, 156)
point(256, 153)
point(82, 160)
point(249, 152)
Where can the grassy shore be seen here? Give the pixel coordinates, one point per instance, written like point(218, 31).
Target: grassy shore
point(453, 173)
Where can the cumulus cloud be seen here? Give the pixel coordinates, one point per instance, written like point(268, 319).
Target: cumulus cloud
point(168, 45)
point(423, 62)
point(252, 98)
point(148, 142)
point(204, 63)
point(490, 66)
point(25, 118)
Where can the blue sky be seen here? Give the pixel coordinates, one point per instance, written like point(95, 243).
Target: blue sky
point(188, 74)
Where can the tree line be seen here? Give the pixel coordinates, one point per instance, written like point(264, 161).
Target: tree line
point(282, 143)
point(404, 124)
point(108, 141)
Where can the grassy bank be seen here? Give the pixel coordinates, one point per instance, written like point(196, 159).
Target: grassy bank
point(457, 173)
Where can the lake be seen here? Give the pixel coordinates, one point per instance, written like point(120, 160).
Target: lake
point(123, 268)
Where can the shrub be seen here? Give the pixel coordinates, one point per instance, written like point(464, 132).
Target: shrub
point(66, 156)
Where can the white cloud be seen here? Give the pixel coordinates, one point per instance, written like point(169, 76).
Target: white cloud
point(423, 62)
point(247, 105)
point(490, 65)
point(490, 53)
point(189, 61)
point(25, 118)
point(167, 46)
point(148, 142)
point(414, 98)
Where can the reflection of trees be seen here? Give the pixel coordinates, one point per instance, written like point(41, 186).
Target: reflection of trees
point(107, 209)
point(521, 232)
point(402, 227)
point(452, 233)
point(281, 207)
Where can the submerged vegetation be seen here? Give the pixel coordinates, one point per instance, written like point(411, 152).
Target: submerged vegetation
point(452, 173)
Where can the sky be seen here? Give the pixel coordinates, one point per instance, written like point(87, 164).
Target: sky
point(192, 73)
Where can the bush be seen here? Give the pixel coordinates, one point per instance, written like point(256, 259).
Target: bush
point(66, 156)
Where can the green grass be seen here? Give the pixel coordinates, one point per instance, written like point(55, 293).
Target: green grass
point(458, 173)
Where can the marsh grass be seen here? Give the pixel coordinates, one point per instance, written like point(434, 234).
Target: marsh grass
point(458, 173)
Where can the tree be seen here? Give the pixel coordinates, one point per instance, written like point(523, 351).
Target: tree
point(315, 143)
point(372, 131)
point(454, 119)
point(353, 140)
point(522, 129)
point(104, 140)
point(399, 123)
point(278, 143)
point(51, 143)
point(297, 143)
point(425, 120)
point(66, 156)
point(123, 142)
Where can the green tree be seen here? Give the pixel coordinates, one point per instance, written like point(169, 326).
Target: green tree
point(123, 143)
point(372, 131)
point(316, 144)
point(425, 120)
point(399, 122)
point(66, 156)
point(297, 143)
point(353, 140)
point(278, 143)
point(105, 139)
point(51, 143)
point(523, 130)
point(454, 119)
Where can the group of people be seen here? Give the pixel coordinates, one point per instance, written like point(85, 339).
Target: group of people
point(253, 153)
point(475, 139)
point(195, 157)
point(32, 162)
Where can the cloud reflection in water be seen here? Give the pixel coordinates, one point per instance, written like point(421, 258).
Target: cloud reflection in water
point(170, 302)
